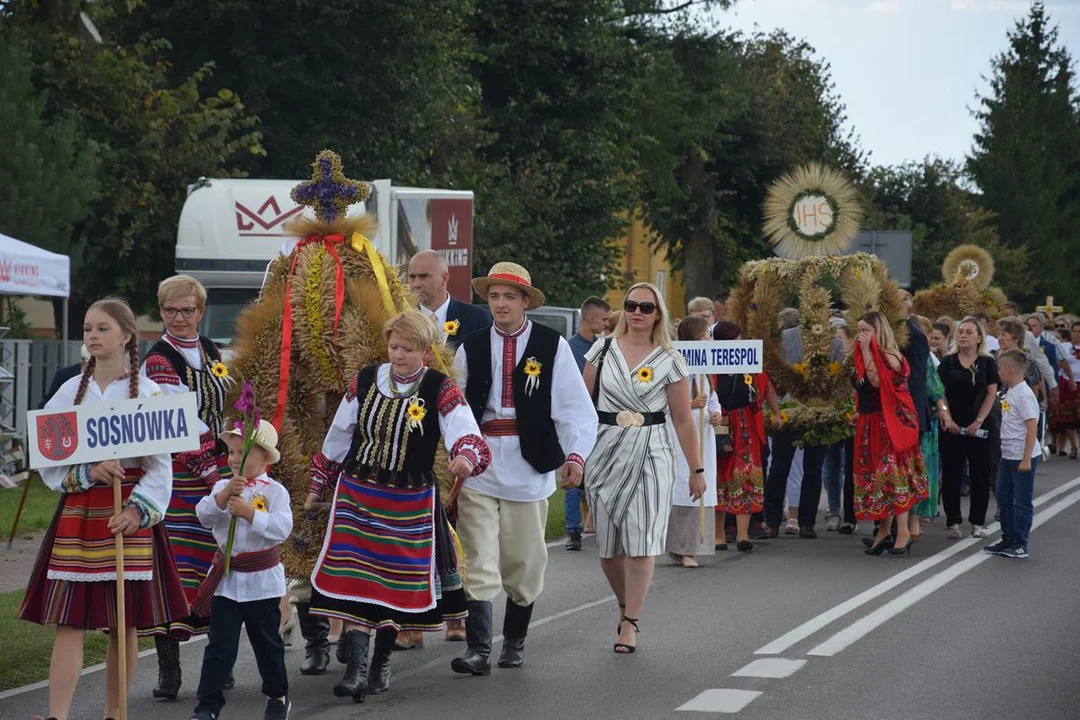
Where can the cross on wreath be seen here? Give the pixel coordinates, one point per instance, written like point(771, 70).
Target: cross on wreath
point(329, 193)
point(1050, 308)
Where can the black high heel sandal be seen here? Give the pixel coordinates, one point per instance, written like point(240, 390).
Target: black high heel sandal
point(622, 648)
point(906, 550)
point(618, 628)
point(880, 547)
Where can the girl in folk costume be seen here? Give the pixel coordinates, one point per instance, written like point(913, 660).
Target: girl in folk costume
point(183, 361)
point(637, 376)
point(389, 561)
point(73, 584)
point(1065, 409)
point(741, 482)
point(890, 477)
point(684, 524)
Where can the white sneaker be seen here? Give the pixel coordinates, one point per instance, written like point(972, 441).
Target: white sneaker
point(979, 531)
point(832, 524)
point(791, 527)
point(954, 532)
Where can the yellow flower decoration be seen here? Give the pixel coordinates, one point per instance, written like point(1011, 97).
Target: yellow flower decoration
point(532, 367)
point(800, 367)
point(219, 370)
point(417, 413)
point(849, 416)
point(532, 372)
point(259, 503)
point(450, 327)
point(784, 417)
point(645, 375)
point(834, 368)
point(1005, 406)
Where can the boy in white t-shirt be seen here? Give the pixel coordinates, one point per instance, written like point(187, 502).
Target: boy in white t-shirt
point(1020, 455)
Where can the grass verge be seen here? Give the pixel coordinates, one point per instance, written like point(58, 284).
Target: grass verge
point(36, 514)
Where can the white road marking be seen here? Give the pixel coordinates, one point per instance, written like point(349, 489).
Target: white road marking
point(722, 700)
point(770, 668)
point(812, 626)
point(854, 632)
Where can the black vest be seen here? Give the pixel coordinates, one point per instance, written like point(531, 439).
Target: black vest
point(209, 390)
point(536, 430)
point(384, 449)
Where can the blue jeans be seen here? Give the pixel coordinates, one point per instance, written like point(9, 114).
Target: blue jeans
point(572, 500)
point(832, 475)
point(1015, 491)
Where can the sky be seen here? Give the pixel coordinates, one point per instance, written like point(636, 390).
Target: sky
point(907, 70)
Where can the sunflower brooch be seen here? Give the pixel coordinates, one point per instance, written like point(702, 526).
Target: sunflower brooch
point(451, 327)
point(259, 503)
point(416, 412)
point(645, 375)
point(1004, 406)
point(221, 372)
point(532, 372)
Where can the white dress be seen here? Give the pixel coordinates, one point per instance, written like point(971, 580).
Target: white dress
point(630, 473)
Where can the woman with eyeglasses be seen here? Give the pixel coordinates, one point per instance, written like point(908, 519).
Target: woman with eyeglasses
point(182, 361)
point(1065, 417)
point(971, 381)
point(636, 376)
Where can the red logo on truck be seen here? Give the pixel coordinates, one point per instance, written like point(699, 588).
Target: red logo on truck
point(451, 236)
point(58, 435)
point(263, 223)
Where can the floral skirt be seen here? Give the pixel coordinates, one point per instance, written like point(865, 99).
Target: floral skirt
point(740, 483)
point(887, 482)
point(1065, 410)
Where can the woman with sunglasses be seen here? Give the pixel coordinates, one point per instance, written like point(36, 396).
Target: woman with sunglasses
point(183, 361)
point(635, 377)
point(971, 381)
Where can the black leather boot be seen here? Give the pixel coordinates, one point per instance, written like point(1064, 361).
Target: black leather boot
point(168, 659)
point(515, 628)
point(379, 674)
point(315, 630)
point(476, 661)
point(354, 684)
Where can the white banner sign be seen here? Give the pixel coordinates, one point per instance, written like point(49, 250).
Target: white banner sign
point(113, 431)
point(722, 357)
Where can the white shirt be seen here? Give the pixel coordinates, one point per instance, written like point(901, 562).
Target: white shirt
point(510, 476)
point(1020, 406)
point(680, 495)
point(1035, 352)
point(1066, 352)
point(992, 344)
point(438, 315)
point(267, 529)
point(153, 490)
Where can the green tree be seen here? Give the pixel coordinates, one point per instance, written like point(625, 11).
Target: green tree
point(928, 199)
point(1026, 157)
point(47, 175)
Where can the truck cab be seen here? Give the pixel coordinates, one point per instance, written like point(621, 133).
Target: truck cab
point(232, 229)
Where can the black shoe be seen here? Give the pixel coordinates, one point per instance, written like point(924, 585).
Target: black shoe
point(201, 715)
point(906, 550)
point(574, 541)
point(848, 528)
point(168, 655)
point(997, 548)
point(745, 546)
point(379, 674)
point(354, 683)
point(880, 547)
point(515, 629)
point(316, 632)
point(808, 532)
point(476, 660)
point(277, 708)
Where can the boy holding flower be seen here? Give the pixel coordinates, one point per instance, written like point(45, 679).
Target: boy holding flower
point(250, 592)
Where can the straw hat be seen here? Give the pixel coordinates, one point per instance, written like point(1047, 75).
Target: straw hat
point(265, 437)
point(508, 273)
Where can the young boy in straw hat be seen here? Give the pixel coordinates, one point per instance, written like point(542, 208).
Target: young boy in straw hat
point(264, 520)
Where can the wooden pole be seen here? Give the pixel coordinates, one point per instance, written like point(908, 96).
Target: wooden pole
point(18, 512)
point(701, 463)
point(121, 609)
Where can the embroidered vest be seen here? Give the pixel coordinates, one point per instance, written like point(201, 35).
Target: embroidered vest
point(384, 448)
point(536, 430)
point(209, 390)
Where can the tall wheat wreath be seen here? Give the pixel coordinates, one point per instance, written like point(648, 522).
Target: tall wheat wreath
point(967, 273)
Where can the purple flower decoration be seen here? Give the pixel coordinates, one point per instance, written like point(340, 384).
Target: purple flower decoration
point(246, 402)
point(329, 193)
point(753, 306)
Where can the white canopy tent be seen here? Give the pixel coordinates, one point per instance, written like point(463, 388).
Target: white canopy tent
point(26, 269)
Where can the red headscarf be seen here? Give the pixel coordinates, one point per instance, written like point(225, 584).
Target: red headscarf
point(901, 420)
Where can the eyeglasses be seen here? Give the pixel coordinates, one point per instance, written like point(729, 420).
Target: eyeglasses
point(646, 308)
point(170, 312)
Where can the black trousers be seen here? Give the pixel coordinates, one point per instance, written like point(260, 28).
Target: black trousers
point(979, 455)
point(783, 453)
point(849, 481)
point(262, 619)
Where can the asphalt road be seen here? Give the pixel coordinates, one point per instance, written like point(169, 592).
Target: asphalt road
point(797, 629)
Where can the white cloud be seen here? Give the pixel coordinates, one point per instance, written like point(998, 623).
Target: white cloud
point(1011, 6)
point(886, 7)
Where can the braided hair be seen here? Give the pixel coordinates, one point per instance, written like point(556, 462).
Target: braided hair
point(119, 311)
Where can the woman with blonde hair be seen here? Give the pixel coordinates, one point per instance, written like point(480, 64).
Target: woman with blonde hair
point(890, 477)
point(635, 377)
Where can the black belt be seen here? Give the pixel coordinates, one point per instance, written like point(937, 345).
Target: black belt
point(650, 418)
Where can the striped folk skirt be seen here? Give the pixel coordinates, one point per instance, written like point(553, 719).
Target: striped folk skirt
point(388, 559)
point(73, 582)
point(192, 546)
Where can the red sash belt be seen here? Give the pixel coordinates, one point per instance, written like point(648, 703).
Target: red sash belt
point(244, 562)
point(499, 428)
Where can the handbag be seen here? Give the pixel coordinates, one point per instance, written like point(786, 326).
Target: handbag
point(724, 444)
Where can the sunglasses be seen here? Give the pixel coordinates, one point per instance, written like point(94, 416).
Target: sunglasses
point(646, 308)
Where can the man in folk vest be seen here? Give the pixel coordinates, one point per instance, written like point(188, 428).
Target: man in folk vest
point(523, 385)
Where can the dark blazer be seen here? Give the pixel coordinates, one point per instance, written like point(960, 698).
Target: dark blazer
point(62, 376)
point(472, 319)
point(917, 354)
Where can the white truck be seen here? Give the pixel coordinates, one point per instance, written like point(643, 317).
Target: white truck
point(230, 230)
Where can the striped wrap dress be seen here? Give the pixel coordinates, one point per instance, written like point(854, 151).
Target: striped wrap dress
point(631, 471)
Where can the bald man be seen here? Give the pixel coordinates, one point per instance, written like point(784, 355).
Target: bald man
point(428, 278)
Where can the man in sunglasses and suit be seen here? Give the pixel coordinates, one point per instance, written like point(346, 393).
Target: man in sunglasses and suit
point(523, 386)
